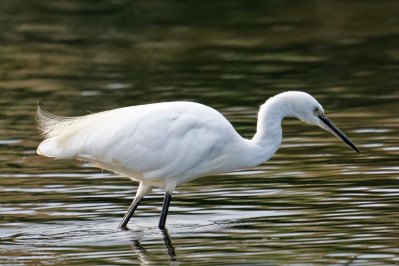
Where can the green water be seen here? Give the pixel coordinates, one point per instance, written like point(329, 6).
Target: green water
point(315, 202)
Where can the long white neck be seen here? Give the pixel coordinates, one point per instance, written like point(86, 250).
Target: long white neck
point(270, 116)
point(269, 133)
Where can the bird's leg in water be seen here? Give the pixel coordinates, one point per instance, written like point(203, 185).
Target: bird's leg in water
point(130, 212)
point(165, 209)
point(141, 192)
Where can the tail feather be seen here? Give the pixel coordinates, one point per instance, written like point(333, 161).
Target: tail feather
point(51, 125)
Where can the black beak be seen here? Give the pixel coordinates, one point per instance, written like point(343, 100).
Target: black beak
point(336, 131)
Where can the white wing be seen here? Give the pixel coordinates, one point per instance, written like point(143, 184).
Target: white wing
point(157, 140)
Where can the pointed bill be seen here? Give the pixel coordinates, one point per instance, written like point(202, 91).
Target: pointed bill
point(329, 126)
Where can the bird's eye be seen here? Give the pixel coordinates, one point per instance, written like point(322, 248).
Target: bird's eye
point(316, 110)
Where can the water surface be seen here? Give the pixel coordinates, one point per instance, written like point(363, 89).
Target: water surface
point(315, 202)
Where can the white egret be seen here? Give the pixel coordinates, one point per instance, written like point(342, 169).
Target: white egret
point(167, 144)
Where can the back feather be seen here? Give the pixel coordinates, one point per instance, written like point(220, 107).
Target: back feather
point(52, 125)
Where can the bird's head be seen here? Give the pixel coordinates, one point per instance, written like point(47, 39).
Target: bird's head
point(307, 109)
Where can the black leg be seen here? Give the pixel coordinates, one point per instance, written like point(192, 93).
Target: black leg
point(165, 209)
point(141, 192)
point(129, 213)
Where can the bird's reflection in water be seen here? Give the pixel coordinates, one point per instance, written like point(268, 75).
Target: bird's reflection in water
point(169, 246)
point(143, 254)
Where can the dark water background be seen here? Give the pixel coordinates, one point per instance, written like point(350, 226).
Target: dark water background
point(315, 202)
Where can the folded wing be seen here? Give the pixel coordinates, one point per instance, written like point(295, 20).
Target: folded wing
point(157, 141)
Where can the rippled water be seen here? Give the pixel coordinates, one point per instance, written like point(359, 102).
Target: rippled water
point(315, 202)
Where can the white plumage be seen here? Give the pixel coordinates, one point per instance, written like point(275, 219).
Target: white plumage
point(166, 144)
